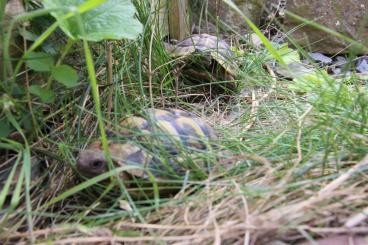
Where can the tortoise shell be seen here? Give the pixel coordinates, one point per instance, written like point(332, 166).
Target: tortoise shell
point(209, 46)
point(164, 142)
point(171, 127)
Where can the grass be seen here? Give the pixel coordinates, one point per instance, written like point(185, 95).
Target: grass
point(291, 165)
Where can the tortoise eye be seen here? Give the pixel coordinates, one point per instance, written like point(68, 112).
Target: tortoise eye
point(97, 164)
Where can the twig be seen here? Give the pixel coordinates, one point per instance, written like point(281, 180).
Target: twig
point(150, 73)
point(357, 218)
point(29, 98)
point(162, 227)
point(246, 214)
point(253, 111)
point(109, 77)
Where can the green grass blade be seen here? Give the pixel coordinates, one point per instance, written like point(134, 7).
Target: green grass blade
point(17, 191)
point(5, 191)
point(26, 173)
point(27, 185)
point(264, 39)
point(87, 184)
point(84, 7)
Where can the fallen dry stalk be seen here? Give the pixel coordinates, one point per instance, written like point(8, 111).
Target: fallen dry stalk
point(278, 216)
point(357, 219)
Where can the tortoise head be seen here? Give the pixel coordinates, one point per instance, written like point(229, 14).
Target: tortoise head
point(92, 162)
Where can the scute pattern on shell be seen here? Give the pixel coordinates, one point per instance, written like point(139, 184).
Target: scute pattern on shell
point(166, 132)
point(210, 46)
point(203, 43)
point(167, 125)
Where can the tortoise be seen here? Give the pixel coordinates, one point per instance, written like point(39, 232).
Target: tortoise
point(167, 144)
point(207, 58)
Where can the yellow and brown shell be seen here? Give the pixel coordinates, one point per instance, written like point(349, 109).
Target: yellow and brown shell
point(158, 141)
point(204, 54)
point(171, 126)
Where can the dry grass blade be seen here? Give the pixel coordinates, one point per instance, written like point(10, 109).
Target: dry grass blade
point(278, 216)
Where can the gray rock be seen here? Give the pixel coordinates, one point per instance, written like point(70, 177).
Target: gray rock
point(340, 61)
point(344, 16)
point(340, 65)
point(320, 58)
point(362, 64)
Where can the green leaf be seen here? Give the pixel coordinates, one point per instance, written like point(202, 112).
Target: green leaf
point(65, 75)
point(39, 61)
point(322, 88)
point(46, 95)
point(288, 55)
point(291, 56)
point(113, 19)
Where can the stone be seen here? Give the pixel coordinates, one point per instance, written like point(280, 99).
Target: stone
point(348, 17)
point(362, 64)
point(320, 58)
point(205, 14)
point(340, 65)
point(340, 61)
